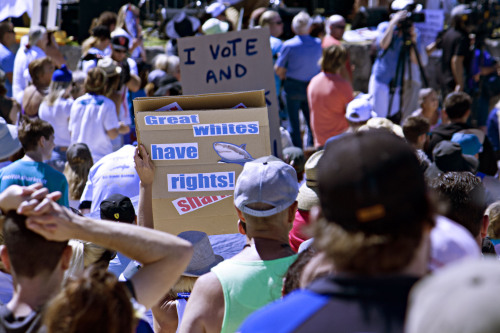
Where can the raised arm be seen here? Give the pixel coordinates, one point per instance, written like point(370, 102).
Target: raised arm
point(164, 256)
point(146, 171)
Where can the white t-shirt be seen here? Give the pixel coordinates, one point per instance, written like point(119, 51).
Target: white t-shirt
point(91, 117)
point(20, 74)
point(114, 173)
point(58, 116)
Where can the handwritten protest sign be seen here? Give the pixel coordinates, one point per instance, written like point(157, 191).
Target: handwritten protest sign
point(199, 153)
point(231, 62)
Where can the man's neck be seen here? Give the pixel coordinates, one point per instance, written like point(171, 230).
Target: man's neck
point(263, 248)
point(30, 294)
point(33, 156)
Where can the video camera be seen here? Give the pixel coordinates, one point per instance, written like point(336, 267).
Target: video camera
point(414, 15)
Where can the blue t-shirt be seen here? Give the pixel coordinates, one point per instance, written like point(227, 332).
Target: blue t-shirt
point(276, 45)
point(26, 173)
point(384, 67)
point(7, 65)
point(300, 56)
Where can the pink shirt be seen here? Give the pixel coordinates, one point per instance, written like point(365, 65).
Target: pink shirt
point(328, 95)
point(297, 235)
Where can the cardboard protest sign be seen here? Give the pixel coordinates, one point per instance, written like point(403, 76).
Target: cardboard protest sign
point(231, 62)
point(199, 153)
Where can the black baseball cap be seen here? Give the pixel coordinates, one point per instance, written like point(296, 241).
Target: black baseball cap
point(371, 182)
point(117, 207)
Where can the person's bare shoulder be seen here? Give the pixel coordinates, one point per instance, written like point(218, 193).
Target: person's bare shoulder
point(205, 307)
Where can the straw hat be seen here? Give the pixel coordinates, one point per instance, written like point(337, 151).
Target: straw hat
point(109, 66)
point(308, 192)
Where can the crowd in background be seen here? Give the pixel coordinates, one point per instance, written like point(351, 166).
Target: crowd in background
point(381, 215)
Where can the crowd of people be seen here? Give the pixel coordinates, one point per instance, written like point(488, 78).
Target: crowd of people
point(382, 213)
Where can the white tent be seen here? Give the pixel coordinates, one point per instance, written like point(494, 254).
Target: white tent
point(16, 8)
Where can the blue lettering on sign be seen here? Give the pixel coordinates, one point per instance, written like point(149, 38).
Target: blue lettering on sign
point(189, 61)
point(240, 128)
point(268, 102)
point(172, 120)
point(251, 46)
point(226, 73)
point(215, 181)
point(175, 151)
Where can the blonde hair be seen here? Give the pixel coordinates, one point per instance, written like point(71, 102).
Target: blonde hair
point(493, 212)
point(120, 20)
point(77, 175)
point(185, 284)
point(173, 62)
point(96, 81)
point(267, 17)
point(57, 90)
point(333, 58)
point(161, 62)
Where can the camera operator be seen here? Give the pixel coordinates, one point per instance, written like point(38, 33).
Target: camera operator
point(456, 52)
point(390, 42)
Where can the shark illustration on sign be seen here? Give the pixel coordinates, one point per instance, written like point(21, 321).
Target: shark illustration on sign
point(231, 153)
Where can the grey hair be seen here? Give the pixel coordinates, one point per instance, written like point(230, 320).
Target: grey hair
point(332, 20)
point(35, 34)
point(301, 23)
point(161, 62)
point(173, 64)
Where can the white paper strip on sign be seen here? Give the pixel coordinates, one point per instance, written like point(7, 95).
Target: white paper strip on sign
point(192, 182)
point(190, 204)
point(242, 128)
point(174, 151)
point(171, 120)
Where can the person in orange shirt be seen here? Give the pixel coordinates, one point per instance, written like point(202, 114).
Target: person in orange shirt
point(328, 95)
point(335, 28)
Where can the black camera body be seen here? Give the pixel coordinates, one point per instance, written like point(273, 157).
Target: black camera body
point(412, 16)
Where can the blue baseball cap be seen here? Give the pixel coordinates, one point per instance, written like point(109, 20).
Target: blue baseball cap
point(469, 142)
point(62, 74)
point(266, 180)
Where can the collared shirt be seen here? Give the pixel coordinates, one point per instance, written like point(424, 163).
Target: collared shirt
point(300, 56)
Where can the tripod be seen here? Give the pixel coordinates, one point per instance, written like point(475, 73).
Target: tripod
point(403, 58)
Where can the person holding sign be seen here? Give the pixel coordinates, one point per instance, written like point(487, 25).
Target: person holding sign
point(297, 64)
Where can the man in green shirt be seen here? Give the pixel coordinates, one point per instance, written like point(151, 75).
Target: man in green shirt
point(265, 200)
